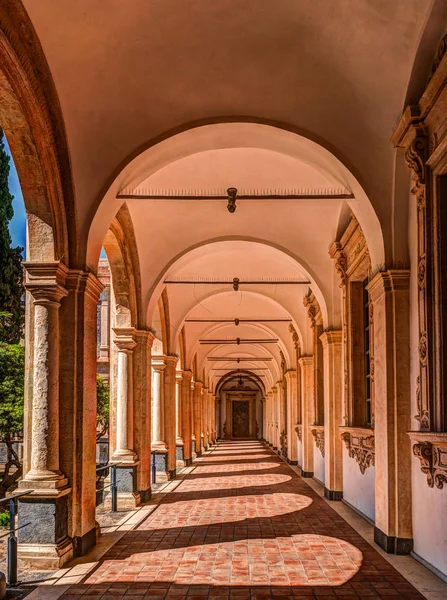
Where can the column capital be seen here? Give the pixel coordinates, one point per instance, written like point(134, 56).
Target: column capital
point(46, 281)
point(171, 360)
point(198, 385)
point(331, 336)
point(187, 375)
point(124, 338)
point(179, 376)
point(158, 363)
point(290, 374)
point(144, 336)
point(306, 361)
point(387, 281)
point(85, 282)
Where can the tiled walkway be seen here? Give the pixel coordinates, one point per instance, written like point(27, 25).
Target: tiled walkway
point(242, 525)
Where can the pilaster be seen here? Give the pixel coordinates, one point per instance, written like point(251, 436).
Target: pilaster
point(307, 369)
point(333, 413)
point(389, 293)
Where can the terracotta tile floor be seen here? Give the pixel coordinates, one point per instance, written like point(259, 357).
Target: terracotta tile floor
point(242, 525)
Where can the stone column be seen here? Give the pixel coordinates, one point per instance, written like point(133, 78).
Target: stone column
point(389, 294)
point(170, 414)
point(104, 342)
point(269, 432)
point(46, 542)
point(307, 371)
point(197, 399)
point(205, 422)
point(281, 418)
point(292, 417)
point(179, 436)
point(159, 445)
point(142, 376)
point(275, 412)
point(193, 421)
point(185, 409)
point(333, 413)
point(124, 452)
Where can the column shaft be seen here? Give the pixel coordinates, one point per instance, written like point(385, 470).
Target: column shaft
point(292, 417)
point(185, 406)
point(198, 416)
point(307, 369)
point(170, 413)
point(333, 413)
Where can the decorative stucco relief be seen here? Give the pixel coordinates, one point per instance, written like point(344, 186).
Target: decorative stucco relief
point(319, 439)
point(360, 446)
point(431, 450)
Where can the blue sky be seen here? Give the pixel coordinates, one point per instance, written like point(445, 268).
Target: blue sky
point(17, 225)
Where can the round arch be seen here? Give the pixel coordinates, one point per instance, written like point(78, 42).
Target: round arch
point(234, 133)
point(31, 118)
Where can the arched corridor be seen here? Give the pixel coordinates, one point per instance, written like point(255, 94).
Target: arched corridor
point(242, 524)
point(235, 289)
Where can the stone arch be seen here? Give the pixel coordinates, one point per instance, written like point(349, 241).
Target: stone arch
point(31, 118)
point(222, 133)
point(235, 374)
point(122, 253)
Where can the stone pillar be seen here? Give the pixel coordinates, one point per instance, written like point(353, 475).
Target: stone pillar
point(193, 421)
point(124, 452)
point(142, 377)
point(179, 439)
point(307, 372)
point(292, 417)
point(170, 414)
point(275, 412)
point(333, 413)
point(46, 542)
point(269, 434)
point(205, 421)
point(185, 409)
point(281, 418)
point(159, 445)
point(104, 341)
point(197, 399)
point(389, 294)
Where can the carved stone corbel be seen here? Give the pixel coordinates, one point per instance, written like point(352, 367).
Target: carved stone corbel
point(431, 450)
point(360, 446)
point(319, 439)
point(299, 432)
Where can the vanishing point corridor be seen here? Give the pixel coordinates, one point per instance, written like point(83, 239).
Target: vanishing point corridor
point(242, 524)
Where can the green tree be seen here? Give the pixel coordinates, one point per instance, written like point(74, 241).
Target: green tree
point(102, 407)
point(12, 311)
point(12, 367)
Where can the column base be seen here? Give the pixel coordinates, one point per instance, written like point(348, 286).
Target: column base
point(179, 455)
point(333, 494)
point(126, 482)
point(83, 544)
point(188, 462)
point(145, 495)
point(292, 462)
point(45, 556)
point(172, 474)
point(161, 466)
point(43, 529)
point(307, 474)
point(391, 544)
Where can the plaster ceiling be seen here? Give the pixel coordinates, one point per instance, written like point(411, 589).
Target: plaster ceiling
point(309, 93)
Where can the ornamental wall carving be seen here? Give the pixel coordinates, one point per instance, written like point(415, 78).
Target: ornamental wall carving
point(422, 134)
point(431, 450)
point(360, 446)
point(319, 439)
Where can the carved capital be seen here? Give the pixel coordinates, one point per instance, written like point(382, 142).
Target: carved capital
point(299, 432)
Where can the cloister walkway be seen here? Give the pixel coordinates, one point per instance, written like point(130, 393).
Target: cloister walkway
point(242, 524)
